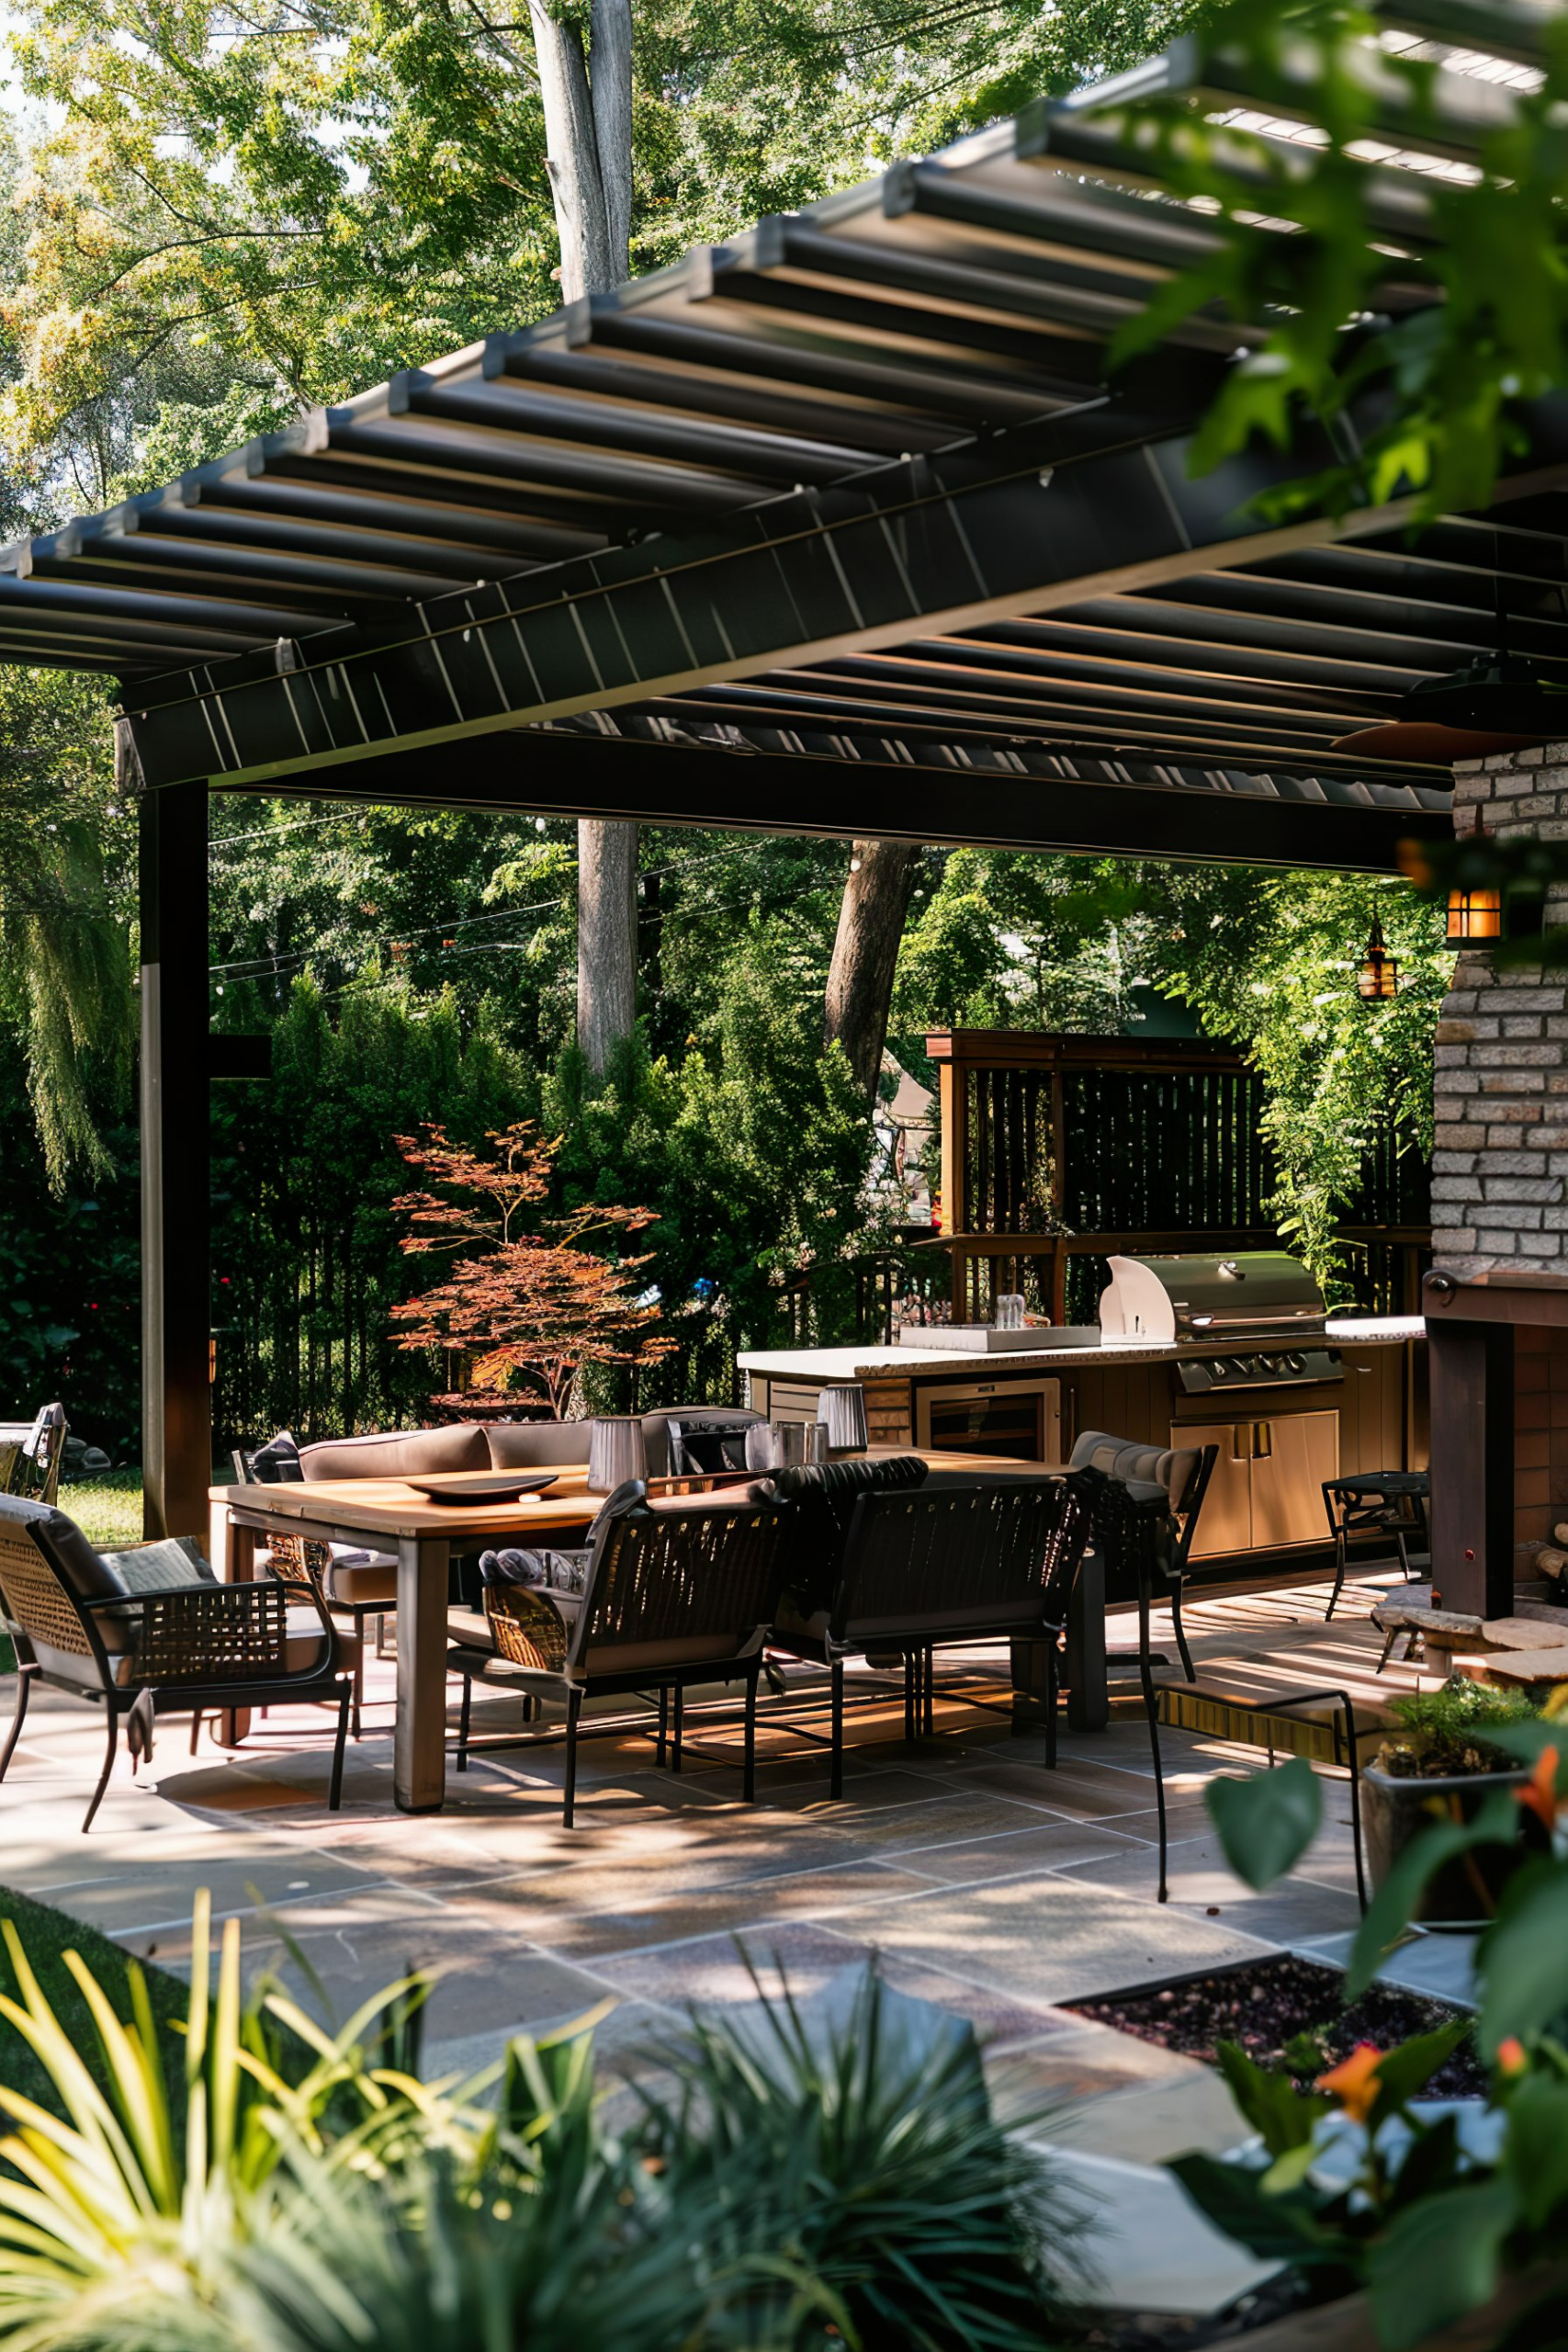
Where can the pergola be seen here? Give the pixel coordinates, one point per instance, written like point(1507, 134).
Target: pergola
point(845, 526)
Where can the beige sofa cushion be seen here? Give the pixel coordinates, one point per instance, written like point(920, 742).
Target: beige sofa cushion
point(538, 1445)
point(361, 1585)
point(398, 1453)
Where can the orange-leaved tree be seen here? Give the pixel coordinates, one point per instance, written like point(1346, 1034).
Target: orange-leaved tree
point(530, 1300)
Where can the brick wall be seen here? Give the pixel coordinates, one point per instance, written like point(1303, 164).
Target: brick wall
point(1500, 1169)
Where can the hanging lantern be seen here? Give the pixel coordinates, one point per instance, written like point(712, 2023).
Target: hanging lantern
point(1474, 914)
point(1379, 976)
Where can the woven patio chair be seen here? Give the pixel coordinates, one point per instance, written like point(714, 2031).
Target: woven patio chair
point(32, 1453)
point(150, 1631)
point(673, 1593)
point(352, 1580)
point(1182, 1474)
point(979, 1560)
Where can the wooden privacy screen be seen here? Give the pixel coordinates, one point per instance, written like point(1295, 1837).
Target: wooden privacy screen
point(1058, 1150)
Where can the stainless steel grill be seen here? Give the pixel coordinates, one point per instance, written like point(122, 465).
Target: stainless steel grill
point(1254, 1322)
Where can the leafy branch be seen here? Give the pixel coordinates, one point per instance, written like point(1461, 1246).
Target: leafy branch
point(1415, 316)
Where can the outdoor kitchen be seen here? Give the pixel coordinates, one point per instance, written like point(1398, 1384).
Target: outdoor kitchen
point(1113, 1268)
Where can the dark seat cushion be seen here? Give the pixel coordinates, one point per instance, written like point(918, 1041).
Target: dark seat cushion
point(276, 1463)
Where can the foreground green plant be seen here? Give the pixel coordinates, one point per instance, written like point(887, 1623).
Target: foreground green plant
point(122, 2219)
point(1452, 1730)
point(856, 2181)
point(1350, 2177)
point(805, 2182)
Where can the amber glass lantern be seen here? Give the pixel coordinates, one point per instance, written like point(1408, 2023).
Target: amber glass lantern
point(1474, 914)
point(1379, 975)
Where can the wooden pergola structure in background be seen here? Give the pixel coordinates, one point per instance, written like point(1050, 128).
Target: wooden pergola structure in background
point(1058, 1148)
point(841, 527)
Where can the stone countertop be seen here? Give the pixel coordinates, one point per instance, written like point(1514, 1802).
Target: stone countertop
point(872, 1363)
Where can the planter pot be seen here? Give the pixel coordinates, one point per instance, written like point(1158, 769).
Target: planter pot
point(1464, 1893)
point(1347, 2325)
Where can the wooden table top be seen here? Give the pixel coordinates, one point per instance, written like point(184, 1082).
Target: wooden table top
point(392, 1507)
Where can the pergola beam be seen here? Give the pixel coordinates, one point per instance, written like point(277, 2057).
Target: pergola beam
point(874, 789)
point(1020, 523)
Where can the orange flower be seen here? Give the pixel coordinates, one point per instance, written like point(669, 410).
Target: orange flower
point(1354, 2082)
point(1539, 1794)
point(1511, 2057)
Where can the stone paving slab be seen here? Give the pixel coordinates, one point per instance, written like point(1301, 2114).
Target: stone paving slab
point(1049, 1937)
point(1184, 2114)
point(1441, 1965)
point(731, 1909)
point(1147, 2249)
point(1313, 1899)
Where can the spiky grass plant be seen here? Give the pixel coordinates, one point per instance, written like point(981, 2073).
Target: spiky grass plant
point(120, 2217)
point(853, 2183)
point(813, 2179)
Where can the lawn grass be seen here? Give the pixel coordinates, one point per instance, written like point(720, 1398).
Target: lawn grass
point(108, 1510)
point(46, 1936)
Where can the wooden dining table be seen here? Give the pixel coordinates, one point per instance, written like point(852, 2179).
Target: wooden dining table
point(390, 1515)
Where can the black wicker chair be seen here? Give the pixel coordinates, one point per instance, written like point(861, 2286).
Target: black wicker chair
point(1182, 1474)
point(673, 1594)
point(150, 1631)
point(979, 1560)
point(353, 1582)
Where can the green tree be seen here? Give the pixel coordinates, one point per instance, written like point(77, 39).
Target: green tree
point(65, 848)
point(1265, 960)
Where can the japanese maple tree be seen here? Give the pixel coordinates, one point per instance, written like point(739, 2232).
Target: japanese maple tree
point(529, 1299)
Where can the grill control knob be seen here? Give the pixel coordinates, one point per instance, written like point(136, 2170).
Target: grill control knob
point(1240, 1367)
point(1295, 1363)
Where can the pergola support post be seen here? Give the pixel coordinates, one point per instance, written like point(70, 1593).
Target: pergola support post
point(1472, 1464)
point(177, 1408)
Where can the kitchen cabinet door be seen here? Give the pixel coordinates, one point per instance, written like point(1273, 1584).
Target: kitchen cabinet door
point(1292, 1454)
point(1224, 1523)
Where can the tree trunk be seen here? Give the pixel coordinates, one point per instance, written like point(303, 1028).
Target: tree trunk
point(588, 261)
point(588, 134)
point(865, 952)
point(607, 938)
point(610, 31)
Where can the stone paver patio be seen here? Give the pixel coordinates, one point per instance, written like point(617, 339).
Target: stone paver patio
point(986, 1883)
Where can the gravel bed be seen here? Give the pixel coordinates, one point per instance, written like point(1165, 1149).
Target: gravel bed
point(1264, 2005)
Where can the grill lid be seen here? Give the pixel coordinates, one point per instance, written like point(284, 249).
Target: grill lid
point(1259, 1296)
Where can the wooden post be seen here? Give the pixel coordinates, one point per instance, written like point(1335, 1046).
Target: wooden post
point(1472, 1464)
point(1058, 1191)
point(176, 1400)
point(952, 1094)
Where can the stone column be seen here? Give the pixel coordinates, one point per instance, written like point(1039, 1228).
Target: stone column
point(1500, 1167)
